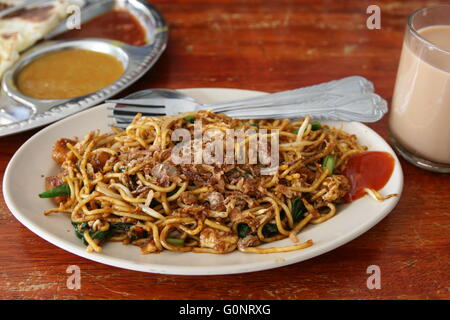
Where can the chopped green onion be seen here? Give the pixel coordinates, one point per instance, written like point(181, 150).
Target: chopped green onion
point(176, 242)
point(298, 210)
point(79, 231)
point(243, 230)
point(81, 227)
point(171, 193)
point(137, 233)
point(125, 226)
point(62, 190)
point(189, 118)
point(102, 235)
point(269, 230)
point(315, 125)
point(329, 162)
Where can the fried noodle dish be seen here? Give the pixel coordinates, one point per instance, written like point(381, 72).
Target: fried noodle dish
point(124, 186)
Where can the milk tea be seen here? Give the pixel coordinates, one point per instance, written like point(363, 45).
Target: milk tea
point(420, 111)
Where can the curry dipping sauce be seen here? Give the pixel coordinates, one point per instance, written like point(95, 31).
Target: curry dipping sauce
point(68, 73)
point(118, 25)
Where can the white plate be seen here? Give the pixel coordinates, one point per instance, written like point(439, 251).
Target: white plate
point(24, 180)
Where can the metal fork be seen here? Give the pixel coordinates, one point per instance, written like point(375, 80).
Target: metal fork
point(349, 99)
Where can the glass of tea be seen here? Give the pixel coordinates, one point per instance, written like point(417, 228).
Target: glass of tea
point(419, 121)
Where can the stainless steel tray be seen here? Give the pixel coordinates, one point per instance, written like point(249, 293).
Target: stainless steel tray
point(19, 112)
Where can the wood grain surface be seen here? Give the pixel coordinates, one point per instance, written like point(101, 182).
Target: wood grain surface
point(270, 46)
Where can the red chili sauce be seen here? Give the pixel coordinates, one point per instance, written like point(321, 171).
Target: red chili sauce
point(118, 25)
point(367, 170)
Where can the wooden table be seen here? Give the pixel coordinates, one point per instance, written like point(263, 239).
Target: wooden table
point(270, 46)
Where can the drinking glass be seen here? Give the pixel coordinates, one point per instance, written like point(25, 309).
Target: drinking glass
point(419, 121)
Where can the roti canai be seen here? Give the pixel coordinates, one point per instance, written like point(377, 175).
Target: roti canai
point(23, 28)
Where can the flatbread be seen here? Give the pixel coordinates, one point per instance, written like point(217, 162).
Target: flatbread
point(23, 28)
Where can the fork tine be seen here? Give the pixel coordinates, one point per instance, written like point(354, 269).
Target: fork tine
point(124, 117)
point(151, 103)
point(119, 125)
point(137, 109)
point(131, 115)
